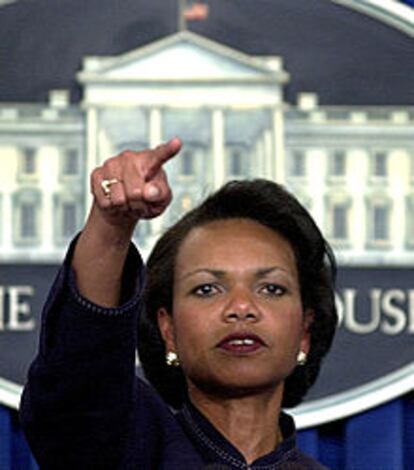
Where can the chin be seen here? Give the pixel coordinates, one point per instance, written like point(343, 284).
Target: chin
point(238, 386)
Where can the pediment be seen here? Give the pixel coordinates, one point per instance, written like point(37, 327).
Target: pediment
point(183, 56)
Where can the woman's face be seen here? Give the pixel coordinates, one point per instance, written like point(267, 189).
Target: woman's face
point(237, 323)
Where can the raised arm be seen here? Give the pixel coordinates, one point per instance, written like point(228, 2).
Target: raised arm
point(126, 188)
point(80, 405)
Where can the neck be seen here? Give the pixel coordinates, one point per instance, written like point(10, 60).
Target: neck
point(250, 423)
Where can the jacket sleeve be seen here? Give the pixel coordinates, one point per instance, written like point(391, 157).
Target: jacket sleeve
point(76, 405)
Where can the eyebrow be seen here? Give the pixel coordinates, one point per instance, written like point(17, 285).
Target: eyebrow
point(261, 272)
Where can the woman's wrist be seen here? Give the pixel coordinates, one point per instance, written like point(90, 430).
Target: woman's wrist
point(106, 234)
point(99, 259)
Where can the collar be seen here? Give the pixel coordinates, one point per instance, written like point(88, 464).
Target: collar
point(215, 448)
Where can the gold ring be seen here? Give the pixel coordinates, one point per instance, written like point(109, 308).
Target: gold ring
point(106, 185)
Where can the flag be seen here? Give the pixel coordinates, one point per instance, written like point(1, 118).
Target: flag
point(197, 11)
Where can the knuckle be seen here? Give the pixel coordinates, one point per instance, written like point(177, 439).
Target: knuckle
point(135, 194)
point(108, 162)
point(96, 173)
point(127, 153)
point(111, 166)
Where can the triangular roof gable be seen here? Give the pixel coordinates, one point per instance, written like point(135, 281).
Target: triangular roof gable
point(185, 56)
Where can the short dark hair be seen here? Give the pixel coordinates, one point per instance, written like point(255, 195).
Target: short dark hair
point(271, 205)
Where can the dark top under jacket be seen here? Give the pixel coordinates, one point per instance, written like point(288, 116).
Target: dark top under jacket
point(84, 408)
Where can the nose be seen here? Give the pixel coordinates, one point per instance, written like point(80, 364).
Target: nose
point(241, 307)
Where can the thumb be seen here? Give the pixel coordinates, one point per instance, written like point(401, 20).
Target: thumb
point(152, 192)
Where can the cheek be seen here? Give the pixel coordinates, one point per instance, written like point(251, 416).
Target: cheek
point(189, 326)
point(293, 324)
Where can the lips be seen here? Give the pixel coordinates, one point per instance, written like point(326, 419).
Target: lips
point(241, 343)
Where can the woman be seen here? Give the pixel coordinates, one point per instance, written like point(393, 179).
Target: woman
point(236, 315)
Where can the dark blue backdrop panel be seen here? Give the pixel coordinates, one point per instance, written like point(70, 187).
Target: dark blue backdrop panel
point(380, 439)
point(14, 452)
point(382, 432)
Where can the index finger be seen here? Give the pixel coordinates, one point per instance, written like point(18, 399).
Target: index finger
point(162, 154)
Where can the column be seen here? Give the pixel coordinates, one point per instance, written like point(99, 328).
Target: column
point(358, 167)
point(268, 169)
point(91, 151)
point(155, 138)
point(155, 127)
point(219, 168)
point(259, 151)
point(279, 145)
point(49, 221)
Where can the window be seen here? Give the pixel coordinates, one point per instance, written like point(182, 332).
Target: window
point(236, 163)
point(337, 164)
point(380, 223)
point(27, 204)
point(298, 164)
point(67, 215)
point(338, 204)
point(340, 222)
point(69, 219)
point(28, 161)
point(28, 228)
point(187, 163)
point(379, 167)
point(70, 162)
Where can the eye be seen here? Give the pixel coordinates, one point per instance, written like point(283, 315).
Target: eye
point(205, 290)
point(275, 290)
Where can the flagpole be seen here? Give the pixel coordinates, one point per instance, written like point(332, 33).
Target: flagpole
point(182, 22)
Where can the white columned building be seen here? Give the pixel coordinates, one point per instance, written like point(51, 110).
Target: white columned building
point(352, 166)
point(176, 83)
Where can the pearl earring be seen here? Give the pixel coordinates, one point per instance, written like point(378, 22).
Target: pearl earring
point(171, 359)
point(302, 358)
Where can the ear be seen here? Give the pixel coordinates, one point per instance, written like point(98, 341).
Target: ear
point(166, 326)
point(308, 316)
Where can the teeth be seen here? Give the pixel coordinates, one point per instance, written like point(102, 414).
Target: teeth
point(241, 342)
